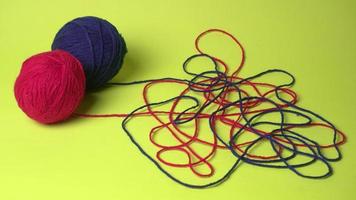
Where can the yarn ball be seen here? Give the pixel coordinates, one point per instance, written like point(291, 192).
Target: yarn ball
point(97, 44)
point(50, 86)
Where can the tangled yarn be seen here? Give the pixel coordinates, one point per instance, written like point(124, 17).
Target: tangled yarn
point(50, 86)
point(210, 95)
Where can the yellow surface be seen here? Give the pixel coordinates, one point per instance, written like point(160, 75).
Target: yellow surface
point(93, 158)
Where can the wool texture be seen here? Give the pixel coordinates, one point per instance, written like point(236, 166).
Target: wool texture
point(50, 86)
point(97, 44)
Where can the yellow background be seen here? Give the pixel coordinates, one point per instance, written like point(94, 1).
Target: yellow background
point(93, 158)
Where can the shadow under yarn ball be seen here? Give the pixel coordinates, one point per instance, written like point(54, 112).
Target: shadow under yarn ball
point(97, 44)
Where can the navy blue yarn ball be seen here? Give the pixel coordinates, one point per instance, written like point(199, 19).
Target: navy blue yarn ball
point(97, 44)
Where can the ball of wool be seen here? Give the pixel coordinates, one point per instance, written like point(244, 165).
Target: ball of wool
point(50, 86)
point(97, 44)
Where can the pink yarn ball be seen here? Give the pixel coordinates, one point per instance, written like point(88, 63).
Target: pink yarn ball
point(50, 86)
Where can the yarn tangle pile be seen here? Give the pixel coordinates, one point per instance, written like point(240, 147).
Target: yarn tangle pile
point(247, 114)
